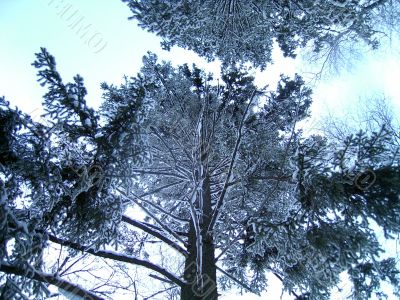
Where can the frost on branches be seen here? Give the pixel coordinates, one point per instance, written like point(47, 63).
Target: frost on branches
point(179, 164)
point(53, 182)
point(240, 30)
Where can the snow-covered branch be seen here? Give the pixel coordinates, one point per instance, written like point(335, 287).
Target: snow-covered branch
point(154, 233)
point(176, 166)
point(118, 257)
point(231, 164)
point(150, 214)
point(149, 171)
point(50, 279)
point(161, 209)
point(159, 189)
point(245, 286)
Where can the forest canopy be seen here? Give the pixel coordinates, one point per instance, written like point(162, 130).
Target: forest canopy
point(196, 182)
point(238, 30)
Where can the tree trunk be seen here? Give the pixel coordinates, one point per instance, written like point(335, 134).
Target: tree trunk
point(207, 288)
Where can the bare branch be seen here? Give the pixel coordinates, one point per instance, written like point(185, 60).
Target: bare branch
point(154, 233)
point(51, 279)
point(160, 278)
point(118, 257)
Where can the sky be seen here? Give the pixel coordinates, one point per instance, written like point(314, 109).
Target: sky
point(113, 47)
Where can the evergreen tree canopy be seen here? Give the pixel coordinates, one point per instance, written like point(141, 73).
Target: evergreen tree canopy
point(238, 30)
point(221, 172)
point(53, 173)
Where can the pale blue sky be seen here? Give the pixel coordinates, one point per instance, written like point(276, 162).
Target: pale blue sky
point(27, 25)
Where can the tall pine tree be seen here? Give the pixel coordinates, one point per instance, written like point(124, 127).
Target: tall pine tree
point(221, 175)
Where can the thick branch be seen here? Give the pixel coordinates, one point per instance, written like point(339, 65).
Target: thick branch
point(50, 279)
point(163, 226)
point(154, 233)
point(161, 278)
point(159, 208)
point(152, 226)
point(118, 257)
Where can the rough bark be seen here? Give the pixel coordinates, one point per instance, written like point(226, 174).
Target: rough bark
point(207, 288)
point(209, 264)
